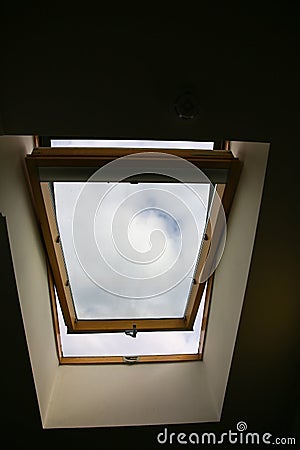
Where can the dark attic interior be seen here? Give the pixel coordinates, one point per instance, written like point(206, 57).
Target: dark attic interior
point(84, 73)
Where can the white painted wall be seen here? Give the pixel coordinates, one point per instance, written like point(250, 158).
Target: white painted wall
point(232, 274)
point(108, 395)
point(29, 264)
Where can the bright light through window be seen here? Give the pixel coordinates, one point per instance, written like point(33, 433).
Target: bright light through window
point(92, 301)
point(170, 209)
point(118, 344)
point(132, 144)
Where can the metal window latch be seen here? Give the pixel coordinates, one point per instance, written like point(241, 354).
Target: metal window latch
point(132, 332)
point(130, 359)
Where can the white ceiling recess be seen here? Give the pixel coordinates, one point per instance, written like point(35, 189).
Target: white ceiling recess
point(140, 394)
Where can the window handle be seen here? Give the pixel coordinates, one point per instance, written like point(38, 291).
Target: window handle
point(132, 332)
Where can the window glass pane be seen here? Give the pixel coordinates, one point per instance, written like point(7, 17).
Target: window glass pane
point(131, 144)
point(118, 344)
point(133, 250)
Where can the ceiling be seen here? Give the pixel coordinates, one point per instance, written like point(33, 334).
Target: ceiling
point(88, 74)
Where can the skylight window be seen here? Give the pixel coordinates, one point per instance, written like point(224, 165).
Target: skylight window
point(133, 234)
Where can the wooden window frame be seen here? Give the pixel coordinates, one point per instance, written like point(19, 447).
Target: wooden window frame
point(95, 158)
point(96, 360)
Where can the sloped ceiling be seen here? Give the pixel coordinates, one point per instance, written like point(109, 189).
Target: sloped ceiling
point(89, 74)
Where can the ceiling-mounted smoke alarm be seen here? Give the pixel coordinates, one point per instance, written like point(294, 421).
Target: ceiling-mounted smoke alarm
point(187, 106)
